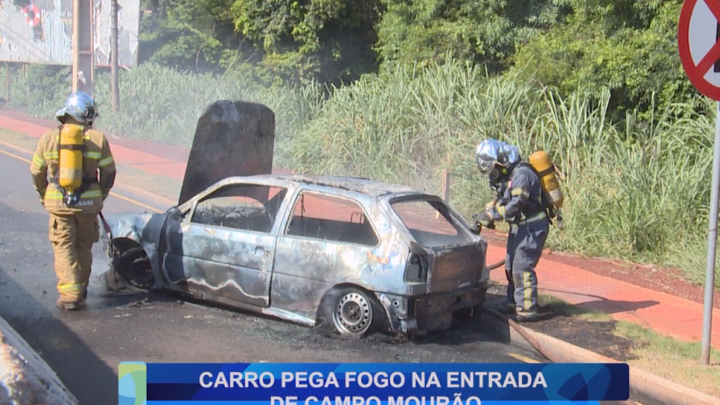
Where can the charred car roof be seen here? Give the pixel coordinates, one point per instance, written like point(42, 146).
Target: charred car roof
point(357, 184)
point(350, 184)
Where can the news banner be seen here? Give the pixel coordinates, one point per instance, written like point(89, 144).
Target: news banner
point(371, 383)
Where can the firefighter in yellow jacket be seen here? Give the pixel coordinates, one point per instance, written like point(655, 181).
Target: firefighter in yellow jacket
point(73, 171)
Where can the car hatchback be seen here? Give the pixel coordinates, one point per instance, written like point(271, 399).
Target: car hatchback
point(358, 254)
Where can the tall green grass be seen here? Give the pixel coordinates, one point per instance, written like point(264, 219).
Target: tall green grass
point(638, 191)
point(163, 105)
point(635, 190)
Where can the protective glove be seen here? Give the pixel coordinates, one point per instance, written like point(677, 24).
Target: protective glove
point(484, 219)
point(494, 214)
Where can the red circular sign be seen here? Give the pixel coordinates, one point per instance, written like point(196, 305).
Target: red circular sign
point(698, 70)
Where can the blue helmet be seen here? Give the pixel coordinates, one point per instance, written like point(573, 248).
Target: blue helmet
point(79, 106)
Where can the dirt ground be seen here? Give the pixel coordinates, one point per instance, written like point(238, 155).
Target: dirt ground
point(555, 321)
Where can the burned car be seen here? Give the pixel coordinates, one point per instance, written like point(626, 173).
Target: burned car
point(356, 254)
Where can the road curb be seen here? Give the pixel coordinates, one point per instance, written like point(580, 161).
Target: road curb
point(646, 384)
point(25, 375)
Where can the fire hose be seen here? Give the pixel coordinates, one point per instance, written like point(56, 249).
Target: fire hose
point(105, 225)
point(519, 329)
point(108, 231)
point(496, 265)
point(533, 342)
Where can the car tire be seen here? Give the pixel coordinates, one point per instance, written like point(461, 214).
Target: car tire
point(354, 313)
point(133, 266)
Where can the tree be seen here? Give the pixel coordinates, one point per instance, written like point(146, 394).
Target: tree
point(189, 34)
point(327, 40)
point(628, 46)
point(483, 31)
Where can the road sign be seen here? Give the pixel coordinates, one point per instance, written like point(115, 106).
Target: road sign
point(698, 34)
point(699, 45)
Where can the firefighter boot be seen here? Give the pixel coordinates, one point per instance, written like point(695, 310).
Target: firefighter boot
point(67, 305)
point(523, 315)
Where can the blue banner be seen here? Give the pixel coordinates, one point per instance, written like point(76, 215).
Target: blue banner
point(371, 383)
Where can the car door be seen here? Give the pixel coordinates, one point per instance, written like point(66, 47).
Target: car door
point(225, 245)
point(326, 242)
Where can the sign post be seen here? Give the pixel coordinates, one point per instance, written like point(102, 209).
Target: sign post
point(698, 34)
point(83, 64)
point(114, 57)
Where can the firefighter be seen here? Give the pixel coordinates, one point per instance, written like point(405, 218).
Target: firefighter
point(519, 201)
point(73, 171)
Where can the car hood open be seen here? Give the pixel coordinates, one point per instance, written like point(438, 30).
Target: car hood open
point(231, 139)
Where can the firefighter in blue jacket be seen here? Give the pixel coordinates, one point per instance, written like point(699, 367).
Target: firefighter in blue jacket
point(518, 202)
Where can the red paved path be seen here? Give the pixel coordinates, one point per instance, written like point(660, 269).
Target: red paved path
point(662, 312)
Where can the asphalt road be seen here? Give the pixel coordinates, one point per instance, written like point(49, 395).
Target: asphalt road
point(85, 347)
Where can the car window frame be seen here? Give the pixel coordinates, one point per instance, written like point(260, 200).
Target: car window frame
point(277, 222)
point(388, 206)
point(291, 210)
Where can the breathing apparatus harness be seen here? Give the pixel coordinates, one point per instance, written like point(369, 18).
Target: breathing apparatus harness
point(544, 201)
point(72, 196)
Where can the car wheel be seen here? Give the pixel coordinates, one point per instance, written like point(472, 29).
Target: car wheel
point(354, 313)
point(134, 267)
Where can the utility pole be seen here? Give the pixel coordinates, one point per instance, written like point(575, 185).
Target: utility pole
point(114, 56)
point(83, 67)
point(712, 243)
point(7, 81)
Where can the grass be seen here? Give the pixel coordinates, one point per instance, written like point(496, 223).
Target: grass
point(636, 189)
point(661, 355)
point(672, 359)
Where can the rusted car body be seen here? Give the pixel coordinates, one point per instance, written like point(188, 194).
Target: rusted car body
point(356, 253)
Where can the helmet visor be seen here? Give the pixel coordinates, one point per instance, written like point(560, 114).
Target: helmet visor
point(485, 164)
point(486, 155)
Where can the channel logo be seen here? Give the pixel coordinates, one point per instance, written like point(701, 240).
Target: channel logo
point(132, 383)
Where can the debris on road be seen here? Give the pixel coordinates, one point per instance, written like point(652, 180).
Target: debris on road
point(145, 302)
point(24, 377)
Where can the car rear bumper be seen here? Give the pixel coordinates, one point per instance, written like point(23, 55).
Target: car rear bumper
point(431, 312)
